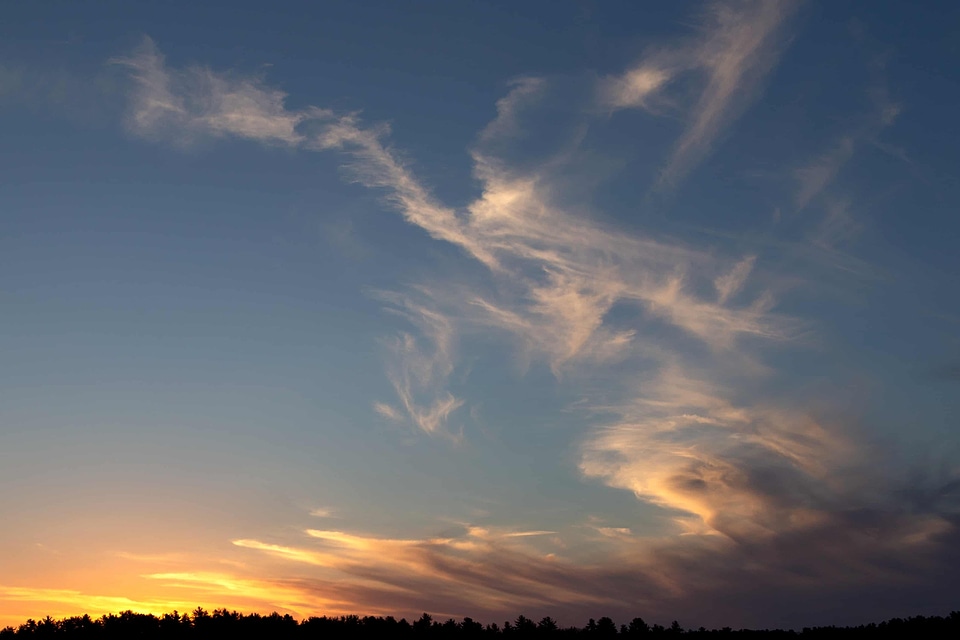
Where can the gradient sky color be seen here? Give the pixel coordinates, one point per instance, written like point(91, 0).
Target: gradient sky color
point(480, 309)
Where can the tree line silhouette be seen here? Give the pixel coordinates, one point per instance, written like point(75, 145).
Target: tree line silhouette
point(222, 624)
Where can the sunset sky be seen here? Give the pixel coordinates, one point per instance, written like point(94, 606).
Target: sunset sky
point(570, 308)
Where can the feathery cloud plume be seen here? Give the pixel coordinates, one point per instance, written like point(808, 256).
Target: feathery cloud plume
point(418, 374)
point(730, 283)
point(736, 48)
point(822, 171)
point(187, 105)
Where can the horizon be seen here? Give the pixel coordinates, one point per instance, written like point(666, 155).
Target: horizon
point(568, 309)
point(201, 619)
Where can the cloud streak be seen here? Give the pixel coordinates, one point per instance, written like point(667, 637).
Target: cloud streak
point(737, 45)
point(417, 373)
point(188, 105)
point(484, 571)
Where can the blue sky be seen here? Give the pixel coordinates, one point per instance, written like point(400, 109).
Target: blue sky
point(566, 308)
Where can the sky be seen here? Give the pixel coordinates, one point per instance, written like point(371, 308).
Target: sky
point(481, 309)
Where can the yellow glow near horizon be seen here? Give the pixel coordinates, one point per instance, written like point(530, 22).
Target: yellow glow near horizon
point(17, 604)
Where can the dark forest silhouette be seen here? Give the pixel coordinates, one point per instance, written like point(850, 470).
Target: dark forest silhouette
point(224, 624)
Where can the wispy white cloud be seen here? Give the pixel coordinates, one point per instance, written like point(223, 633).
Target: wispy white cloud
point(635, 88)
point(388, 411)
point(739, 42)
point(836, 226)
point(741, 45)
point(815, 177)
point(420, 366)
point(190, 104)
point(828, 208)
point(730, 283)
point(523, 92)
